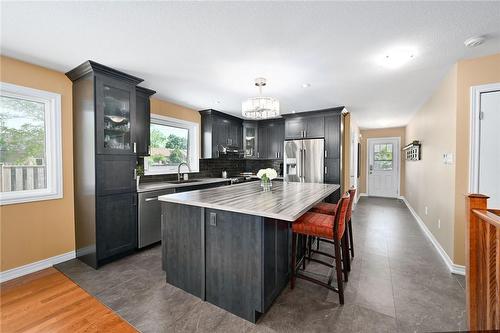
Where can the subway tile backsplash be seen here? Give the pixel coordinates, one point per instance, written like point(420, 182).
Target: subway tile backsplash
point(213, 167)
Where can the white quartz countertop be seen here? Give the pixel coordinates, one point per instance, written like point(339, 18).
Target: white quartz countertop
point(286, 201)
point(153, 186)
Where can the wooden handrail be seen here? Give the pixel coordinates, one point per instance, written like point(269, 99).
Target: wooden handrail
point(483, 264)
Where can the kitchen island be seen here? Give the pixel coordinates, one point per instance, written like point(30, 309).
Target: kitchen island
point(231, 245)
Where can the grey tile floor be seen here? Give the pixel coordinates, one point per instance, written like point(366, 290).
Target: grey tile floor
point(398, 283)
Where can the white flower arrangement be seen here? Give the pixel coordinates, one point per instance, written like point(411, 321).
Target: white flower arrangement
point(267, 174)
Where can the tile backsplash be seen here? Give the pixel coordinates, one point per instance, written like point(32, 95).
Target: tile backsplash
point(213, 167)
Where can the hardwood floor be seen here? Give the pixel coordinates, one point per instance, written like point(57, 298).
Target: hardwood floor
point(47, 301)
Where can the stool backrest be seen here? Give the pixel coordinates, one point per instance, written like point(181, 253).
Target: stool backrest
point(352, 195)
point(340, 216)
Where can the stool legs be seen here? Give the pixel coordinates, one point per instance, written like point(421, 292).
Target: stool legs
point(294, 260)
point(351, 239)
point(338, 268)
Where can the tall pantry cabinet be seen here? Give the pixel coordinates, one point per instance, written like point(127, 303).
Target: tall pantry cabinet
point(109, 133)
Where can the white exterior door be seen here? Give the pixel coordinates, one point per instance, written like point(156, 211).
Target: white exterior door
point(383, 167)
point(489, 148)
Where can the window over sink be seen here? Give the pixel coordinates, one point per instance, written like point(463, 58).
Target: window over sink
point(30, 145)
point(173, 141)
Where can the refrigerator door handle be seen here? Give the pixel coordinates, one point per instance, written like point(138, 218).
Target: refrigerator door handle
point(304, 164)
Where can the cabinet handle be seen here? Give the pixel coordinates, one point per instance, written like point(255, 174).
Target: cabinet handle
point(151, 199)
point(135, 147)
point(258, 154)
point(135, 174)
point(326, 153)
point(326, 170)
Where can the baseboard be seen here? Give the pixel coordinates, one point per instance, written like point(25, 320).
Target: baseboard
point(363, 195)
point(35, 266)
point(455, 269)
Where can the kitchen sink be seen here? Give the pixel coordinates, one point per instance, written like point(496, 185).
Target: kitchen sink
point(183, 181)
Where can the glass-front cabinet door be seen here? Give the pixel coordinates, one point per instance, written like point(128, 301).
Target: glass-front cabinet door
point(115, 114)
point(250, 139)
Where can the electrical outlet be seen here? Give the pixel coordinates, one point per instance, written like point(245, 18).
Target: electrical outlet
point(439, 223)
point(426, 210)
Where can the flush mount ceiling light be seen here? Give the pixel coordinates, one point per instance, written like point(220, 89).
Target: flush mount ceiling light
point(396, 58)
point(306, 85)
point(474, 41)
point(260, 107)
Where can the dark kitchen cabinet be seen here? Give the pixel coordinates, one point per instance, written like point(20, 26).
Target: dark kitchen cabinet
point(110, 129)
point(304, 127)
point(116, 231)
point(332, 136)
point(271, 137)
point(143, 120)
point(295, 128)
point(116, 174)
point(115, 115)
point(250, 139)
point(220, 131)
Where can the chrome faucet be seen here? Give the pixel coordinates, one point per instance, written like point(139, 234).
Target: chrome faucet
point(179, 170)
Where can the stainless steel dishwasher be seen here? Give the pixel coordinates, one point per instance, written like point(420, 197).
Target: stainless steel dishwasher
point(149, 229)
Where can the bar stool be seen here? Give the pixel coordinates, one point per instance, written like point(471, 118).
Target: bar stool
point(330, 227)
point(330, 209)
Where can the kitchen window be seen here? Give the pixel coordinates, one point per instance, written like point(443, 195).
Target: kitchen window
point(173, 141)
point(30, 145)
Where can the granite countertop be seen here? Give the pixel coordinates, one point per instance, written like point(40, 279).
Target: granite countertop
point(153, 186)
point(286, 201)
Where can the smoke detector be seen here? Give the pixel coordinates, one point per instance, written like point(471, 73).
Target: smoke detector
point(474, 41)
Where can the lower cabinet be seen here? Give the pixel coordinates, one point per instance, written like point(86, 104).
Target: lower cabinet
point(238, 262)
point(116, 225)
point(246, 261)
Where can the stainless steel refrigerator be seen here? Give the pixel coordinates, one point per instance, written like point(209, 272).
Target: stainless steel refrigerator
point(304, 160)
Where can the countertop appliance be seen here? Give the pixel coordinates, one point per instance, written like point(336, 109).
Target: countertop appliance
point(304, 160)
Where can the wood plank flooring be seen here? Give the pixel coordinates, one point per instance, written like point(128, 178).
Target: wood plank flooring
point(47, 301)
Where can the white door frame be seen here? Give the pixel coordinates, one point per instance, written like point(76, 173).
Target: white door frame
point(474, 140)
point(368, 140)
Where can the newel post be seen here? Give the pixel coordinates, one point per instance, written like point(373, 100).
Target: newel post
point(472, 270)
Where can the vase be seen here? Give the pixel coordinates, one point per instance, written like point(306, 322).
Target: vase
point(266, 185)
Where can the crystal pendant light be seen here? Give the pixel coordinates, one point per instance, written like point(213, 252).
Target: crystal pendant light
point(260, 107)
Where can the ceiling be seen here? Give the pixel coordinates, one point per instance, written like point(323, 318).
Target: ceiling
point(207, 54)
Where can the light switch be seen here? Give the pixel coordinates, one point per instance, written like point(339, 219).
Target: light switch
point(448, 158)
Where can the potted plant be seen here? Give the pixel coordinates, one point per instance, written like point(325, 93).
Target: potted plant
point(266, 176)
point(139, 171)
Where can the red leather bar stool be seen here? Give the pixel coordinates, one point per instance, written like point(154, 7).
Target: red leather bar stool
point(330, 209)
point(329, 227)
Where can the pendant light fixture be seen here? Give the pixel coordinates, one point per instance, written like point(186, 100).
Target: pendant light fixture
point(260, 107)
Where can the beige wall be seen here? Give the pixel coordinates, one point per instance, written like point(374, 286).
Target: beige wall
point(168, 109)
point(380, 133)
point(35, 231)
point(429, 182)
point(39, 230)
point(470, 73)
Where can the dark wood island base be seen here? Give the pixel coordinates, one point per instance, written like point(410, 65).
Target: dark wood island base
point(236, 261)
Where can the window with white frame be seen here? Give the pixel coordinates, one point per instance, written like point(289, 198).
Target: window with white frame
point(173, 141)
point(30, 145)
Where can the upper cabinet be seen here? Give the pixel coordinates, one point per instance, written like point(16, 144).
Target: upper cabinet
point(143, 120)
point(250, 142)
point(270, 138)
point(304, 126)
point(220, 133)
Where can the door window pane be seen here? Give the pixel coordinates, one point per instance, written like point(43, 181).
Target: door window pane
point(382, 156)
point(22, 145)
point(116, 118)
